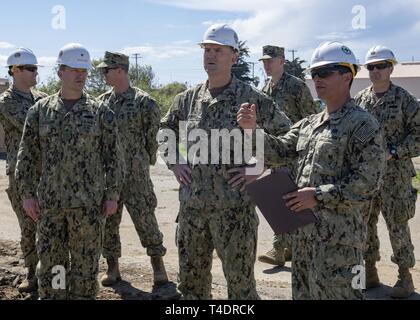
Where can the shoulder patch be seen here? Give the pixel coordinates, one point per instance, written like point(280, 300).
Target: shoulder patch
point(365, 133)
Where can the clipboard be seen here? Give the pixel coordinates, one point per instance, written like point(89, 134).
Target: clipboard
point(267, 193)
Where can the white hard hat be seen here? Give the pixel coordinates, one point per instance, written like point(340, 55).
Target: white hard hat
point(22, 56)
point(380, 53)
point(333, 52)
point(74, 55)
point(221, 34)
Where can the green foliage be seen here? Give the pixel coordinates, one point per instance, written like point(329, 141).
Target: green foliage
point(165, 95)
point(242, 69)
point(295, 68)
point(416, 181)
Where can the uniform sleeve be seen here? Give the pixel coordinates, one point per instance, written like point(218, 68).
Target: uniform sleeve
point(410, 144)
point(367, 166)
point(169, 132)
point(278, 151)
point(112, 155)
point(26, 173)
point(271, 118)
point(306, 103)
point(151, 123)
point(12, 113)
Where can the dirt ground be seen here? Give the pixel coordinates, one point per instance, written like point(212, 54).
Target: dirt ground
point(272, 283)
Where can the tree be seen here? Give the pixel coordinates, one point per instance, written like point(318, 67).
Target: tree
point(142, 77)
point(295, 68)
point(241, 69)
point(95, 83)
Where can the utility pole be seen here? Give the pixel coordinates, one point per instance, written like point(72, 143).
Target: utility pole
point(253, 64)
point(293, 53)
point(137, 56)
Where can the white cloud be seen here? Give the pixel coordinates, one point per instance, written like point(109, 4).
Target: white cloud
point(6, 45)
point(172, 50)
point(47, 61)
point(304, 24)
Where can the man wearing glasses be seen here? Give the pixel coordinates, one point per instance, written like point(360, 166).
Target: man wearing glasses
point(399, 116)
point(294, 98)
point(340, 163)
point(138, 119)
point(14, 105)
point(75, 141)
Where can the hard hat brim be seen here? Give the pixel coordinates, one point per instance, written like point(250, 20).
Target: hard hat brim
point(77, 65)
point(201, 44)
point(325, 63)
point(379, 60)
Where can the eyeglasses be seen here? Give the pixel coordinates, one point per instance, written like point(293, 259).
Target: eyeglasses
point(29, 68)
point(105, 70)
point(379, 66)
point(326, 72)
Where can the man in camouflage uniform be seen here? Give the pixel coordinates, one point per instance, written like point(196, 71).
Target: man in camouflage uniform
point(340, 164)
point(14, 105)
point(75, 142)
point(213, 215)
point(138, 119)
point(399, 116)
point(294, 98)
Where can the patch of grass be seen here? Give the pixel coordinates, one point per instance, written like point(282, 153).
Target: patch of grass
point(416, 181)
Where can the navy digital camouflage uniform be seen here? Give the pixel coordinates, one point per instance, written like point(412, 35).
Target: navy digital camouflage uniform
point(138, 119)
point(342, 154)
point(294, 98)
point(14, 106)
point(80, 168)
point(212, 214)
point(398, 113)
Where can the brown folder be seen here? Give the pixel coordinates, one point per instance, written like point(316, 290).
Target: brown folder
point(267, 193)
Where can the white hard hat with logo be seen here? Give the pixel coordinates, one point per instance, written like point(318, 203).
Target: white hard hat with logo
point(74, 55)
point(380, 53)
point(22, 56)
point(221, 34)
point(334, 52)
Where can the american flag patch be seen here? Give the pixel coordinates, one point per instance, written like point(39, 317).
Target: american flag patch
point(365, 133)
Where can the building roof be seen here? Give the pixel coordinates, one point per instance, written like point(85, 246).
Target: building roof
point(401, 70)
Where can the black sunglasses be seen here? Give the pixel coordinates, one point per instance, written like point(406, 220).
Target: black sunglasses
point(379, 66)
point(105, 70)
point(29, 68)
point(326, 72)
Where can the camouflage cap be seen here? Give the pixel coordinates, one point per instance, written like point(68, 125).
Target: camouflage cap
point(270, 52)
point(114, 59)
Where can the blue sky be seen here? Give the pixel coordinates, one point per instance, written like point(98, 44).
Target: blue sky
point(165, 33)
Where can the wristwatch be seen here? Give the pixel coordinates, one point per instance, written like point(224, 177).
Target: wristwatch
point(393, 152)
point(318, 195)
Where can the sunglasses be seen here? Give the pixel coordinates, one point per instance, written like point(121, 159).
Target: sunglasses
point(329, 71)
point(29, 68)
point(107, 69)
point(379, 66)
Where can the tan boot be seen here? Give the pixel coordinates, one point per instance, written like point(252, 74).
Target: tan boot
point(112, 275)
point(30, 283)
point(159, 272)
point(372, 278)
point(404, 286)
point(288, 254)
point(273, 257)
